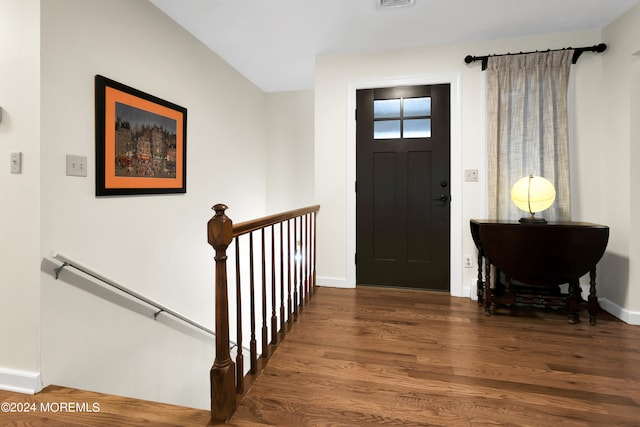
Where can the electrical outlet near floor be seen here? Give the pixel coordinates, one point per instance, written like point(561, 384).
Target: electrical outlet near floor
point(471, 175)
point(76, 165)
point(468, 261)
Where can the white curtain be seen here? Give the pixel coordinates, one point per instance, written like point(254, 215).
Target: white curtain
point(528, 129)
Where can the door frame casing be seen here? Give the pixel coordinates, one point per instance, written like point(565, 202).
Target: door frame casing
point(455, 256)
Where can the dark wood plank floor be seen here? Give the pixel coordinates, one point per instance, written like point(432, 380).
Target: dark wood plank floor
point(373, 356)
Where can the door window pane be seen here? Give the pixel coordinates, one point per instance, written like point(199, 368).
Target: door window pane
point(402, 118)
point(417, 128)
point(386, 129)
point(386, 108)
point(417, 107)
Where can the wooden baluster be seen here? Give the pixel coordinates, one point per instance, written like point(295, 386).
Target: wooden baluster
point(289, 298)
point(265, 344)
point(303, 267)
point(304, 259)
point(240, 355)
point(315, 253)
point(303, 250)
point(300, 260)
point(308, 263)
point(274, 318)
point(295, 269)
point(253, 351)
point(222, 374)
point(282, 318)
point(299, 267)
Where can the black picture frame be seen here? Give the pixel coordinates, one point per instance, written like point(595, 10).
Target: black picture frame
point(141, 142)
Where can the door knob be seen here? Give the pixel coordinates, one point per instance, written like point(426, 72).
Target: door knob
point(443, 198)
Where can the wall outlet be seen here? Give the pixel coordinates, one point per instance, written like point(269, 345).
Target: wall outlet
point(471, 175)
point(468, 261)
point(76, 165)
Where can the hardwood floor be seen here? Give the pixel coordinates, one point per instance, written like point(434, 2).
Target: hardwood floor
point(374, 356)
point(47, 408)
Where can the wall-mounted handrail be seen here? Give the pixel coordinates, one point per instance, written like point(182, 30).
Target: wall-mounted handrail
point(68, 262)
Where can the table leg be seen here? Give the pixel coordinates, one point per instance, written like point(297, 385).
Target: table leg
point(508, 297)
point(593, 299)
point(573, 303)
point(487, 287)
point(479, 282)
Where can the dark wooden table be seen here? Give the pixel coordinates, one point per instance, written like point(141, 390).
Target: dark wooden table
point(541, 256)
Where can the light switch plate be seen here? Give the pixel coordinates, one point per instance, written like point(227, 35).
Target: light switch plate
point(76, 165)
point(16, 162)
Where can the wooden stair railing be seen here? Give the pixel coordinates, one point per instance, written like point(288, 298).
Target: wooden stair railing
point(295, 232)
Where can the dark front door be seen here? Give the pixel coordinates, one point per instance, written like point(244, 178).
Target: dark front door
point(402, 188)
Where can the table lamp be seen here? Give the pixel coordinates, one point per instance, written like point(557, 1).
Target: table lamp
point(533, 194)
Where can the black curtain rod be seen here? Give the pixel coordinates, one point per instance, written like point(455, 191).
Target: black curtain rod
point(599, 48)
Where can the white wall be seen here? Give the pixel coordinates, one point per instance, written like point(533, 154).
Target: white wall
point(337, 75)
point(157, 244)
point(85, 336)
point(620, 157)
point(20, 194)
point(290, 150)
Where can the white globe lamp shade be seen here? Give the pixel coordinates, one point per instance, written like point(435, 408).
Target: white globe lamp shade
point(533, 194)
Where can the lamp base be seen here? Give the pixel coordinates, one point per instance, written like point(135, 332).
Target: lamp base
point(532, 220)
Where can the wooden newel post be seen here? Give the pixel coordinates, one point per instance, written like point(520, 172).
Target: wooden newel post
point(223, 390)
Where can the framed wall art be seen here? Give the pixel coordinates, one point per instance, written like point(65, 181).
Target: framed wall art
point(141, 142)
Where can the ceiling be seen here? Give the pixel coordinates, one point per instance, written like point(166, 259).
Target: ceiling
point(273, 43)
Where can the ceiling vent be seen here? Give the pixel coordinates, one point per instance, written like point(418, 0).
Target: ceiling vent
point(387, 4)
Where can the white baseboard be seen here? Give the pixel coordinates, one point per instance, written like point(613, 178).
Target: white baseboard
point(332, 282)
point(472, 290)
point(627, 316)
point(20, 381)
